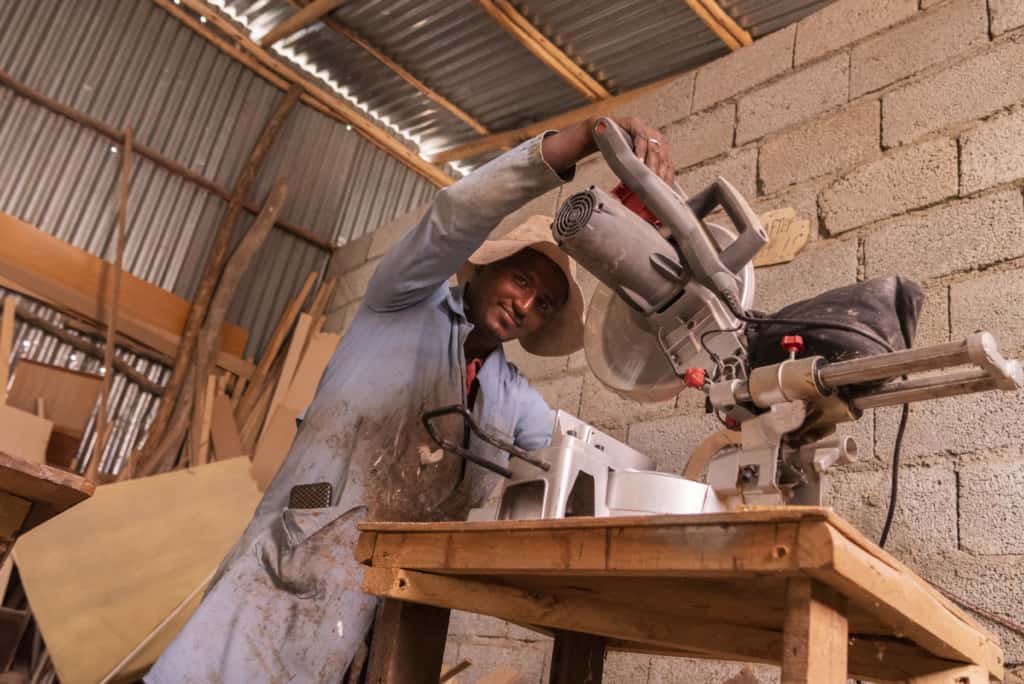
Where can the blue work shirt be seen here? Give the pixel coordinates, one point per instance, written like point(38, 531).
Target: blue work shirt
point(286, 604)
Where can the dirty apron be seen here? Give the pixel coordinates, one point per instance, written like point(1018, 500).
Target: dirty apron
point(286, 605)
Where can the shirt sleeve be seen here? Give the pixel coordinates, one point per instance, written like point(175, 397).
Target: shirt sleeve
point(536, 420)
point(457, 222)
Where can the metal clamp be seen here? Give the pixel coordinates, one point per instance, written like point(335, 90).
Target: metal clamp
point(511, 449)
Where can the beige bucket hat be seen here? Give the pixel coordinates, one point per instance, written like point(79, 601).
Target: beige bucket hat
point(563, 334)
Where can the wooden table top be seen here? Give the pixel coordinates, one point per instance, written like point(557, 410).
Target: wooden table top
point(709, 585)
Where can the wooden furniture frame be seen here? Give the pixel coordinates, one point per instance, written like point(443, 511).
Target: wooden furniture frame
point(795, 585)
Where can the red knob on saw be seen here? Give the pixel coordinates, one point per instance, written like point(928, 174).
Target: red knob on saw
point(794, 344)
point(694, 377)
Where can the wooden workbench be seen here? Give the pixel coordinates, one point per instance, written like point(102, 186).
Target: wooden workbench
point(796, 585)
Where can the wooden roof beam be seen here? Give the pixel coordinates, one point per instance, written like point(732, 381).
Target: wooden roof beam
point(311, 13)
point(723, 26)
point(557, 122)
point(240, 47)
point(349, 33)
point(533, 40)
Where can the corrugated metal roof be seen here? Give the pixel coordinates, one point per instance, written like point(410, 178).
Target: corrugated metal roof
point(457, 49)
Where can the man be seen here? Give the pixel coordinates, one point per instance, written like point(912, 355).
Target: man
point(286, 605)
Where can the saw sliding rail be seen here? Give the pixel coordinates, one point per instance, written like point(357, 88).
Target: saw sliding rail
point(990, 372)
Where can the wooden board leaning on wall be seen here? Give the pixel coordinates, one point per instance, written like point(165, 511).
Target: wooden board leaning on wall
point(46, 267)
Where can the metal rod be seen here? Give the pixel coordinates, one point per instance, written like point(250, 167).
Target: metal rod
point(933, 387)
point(498, 443)
point(894, 364)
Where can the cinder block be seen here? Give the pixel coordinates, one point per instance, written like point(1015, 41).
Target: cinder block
point(674, 670)
point(925, 521)
point(349, 256)
point(802, 198)
point(966, 91)
point(820, 147)
point(845, 22)
point(906, 179)
point(534, 367)
point(965, 424)
point(995, 584)
point(626, 668)
point(991, 508)
point(992, 154)
point(391, 232)
point(1006, 15)
point(605, 409)
point(821, 266)
point(563, 393)
point(990, 302)
point(352, 285)
point(670, 441)
point(663, 106)
point(953, 237)
point(739, 168)
point(474, 625)
point(745, 68)
point(933, 325)
point(702, 136)
point(793, 99)
point(928, 39)
point(487, 655)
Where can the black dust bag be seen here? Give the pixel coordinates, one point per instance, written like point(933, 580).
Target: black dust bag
point(887, 309)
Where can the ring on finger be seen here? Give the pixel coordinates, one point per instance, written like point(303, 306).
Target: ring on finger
point(654, 141)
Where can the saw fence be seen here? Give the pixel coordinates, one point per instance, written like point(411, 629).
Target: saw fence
point(797, 586)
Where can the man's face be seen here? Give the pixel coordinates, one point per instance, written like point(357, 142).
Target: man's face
point(514, 297)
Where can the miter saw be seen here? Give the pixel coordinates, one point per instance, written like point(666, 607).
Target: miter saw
point(674, 312)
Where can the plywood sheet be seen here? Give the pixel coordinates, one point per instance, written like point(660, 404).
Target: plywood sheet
point(103, 575)
point(70, 395)
point(23, 435)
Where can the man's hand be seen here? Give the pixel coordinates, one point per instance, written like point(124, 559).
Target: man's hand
point(649, 146)
point(562, 150)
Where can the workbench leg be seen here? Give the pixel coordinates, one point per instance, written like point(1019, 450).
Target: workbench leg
point(408, 643)
point(969, 674)
point(814, 634)
point(577, 658)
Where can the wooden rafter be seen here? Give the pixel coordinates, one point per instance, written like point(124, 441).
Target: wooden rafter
point(243, 49)
point(723, 26)
point(403, 73)
point(507, 138)
point(313, 12)
point(533, 40)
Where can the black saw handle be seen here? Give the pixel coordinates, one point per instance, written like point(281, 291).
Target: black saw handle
point(511, 449)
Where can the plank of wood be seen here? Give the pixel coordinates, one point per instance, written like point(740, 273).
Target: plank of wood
point(588, 614)
point(557, 122)
point(12, 627)
point(148, 542)
point(52, 488)
point(319, 350)
point(227, 443)
point(907, 606)
point(284, 326)
point(210, 390)
point(814, 634)
point(969, 674)
point(23, 434)
point(70, 395)
point(577, 657)
point(75, 279)
point(309, 14)
point(13, 511)
point(272, 447)
point(408, 643)
point(520, 28)
point(291, 363)
point(6, 342)
point(503, 674)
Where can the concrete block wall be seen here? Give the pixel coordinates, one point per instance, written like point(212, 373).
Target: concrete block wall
point(897, 127)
